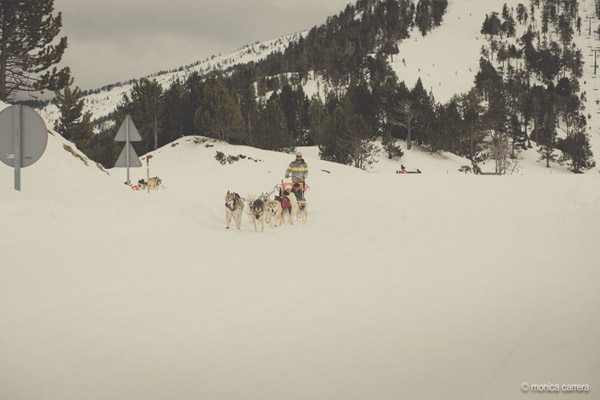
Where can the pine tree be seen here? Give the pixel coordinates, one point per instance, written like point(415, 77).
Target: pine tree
point(522, 14)
point(249, 109)
point(423, 17)
point(272, 131)
point(392, 147)
point(546, 132)
point(576, 149)
point(146, 109)
point(316, 116)
point(332, 146)
point(173, 113)
point(73, 124)
point(220, 114)
point(28, 50)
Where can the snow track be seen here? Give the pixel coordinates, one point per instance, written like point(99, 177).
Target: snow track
point(425, 286)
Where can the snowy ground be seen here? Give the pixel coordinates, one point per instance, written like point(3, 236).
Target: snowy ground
point(433, 286)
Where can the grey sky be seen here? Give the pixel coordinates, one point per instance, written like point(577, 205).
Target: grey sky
point(115, 40)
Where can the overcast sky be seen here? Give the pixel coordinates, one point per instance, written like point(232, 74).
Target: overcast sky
point(115, 40)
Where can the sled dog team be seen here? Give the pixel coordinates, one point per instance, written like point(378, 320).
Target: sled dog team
point(263, 210)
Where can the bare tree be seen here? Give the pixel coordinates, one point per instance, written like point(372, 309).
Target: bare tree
point(403, 116)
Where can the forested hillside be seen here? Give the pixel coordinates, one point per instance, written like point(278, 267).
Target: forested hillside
point(263, 103)
point(526, 94)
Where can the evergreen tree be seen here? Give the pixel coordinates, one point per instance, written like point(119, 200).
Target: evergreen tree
point(423, 17)
point(545, 126)
point(424, 115)
point(146, 110)
point(492, 26)
point(272, 131)
point(447, 128)
point(173, 113)
point(576, 149)
point(73, 124)
point(28, 50)
point(471, 110)
point(332, 143)
point(220, 115)
point(522, 14)
point(392, 147)
point(293, 104)
point(317, 115)
point(248, 108)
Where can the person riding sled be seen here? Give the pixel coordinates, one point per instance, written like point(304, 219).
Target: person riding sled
point(298, 170)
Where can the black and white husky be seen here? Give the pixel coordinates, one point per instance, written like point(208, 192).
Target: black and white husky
point(234, 206)
point(257, 214)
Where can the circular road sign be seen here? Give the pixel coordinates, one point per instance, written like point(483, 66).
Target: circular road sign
point(34, 135)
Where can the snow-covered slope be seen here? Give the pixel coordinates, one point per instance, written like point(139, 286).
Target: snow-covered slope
point(447, 59)
point(590, 82)
point(104, 102)
point(430, 286)
point(62, 164)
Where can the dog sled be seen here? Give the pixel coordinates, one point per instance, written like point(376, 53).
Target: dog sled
point(299, 189)
point(285, 188)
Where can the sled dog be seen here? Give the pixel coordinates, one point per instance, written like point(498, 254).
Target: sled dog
point(234, 206)
point(152, 184)
point(257, 213)
point(302, 211)
point(274, 213)
point(292, 211)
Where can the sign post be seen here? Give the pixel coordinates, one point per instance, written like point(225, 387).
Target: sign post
point(128, 159)
point(148, 157)
point(17, 114)
point(23, 138)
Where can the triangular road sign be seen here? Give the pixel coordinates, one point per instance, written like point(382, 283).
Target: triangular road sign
point(134, 160)
point(134, 135)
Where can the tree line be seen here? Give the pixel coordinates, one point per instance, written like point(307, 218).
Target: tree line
point(526, 93)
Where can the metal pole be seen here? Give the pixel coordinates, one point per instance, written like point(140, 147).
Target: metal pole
point(595, 61)
point(590, 19)
point(147, 172)
point(18, 135)
point(127, 148)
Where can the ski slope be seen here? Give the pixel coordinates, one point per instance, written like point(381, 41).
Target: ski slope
point(430, 286)
point(447, 59)
point(590, 81)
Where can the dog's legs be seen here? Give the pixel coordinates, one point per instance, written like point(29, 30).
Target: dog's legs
point(239, 220)
point(228, 216)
